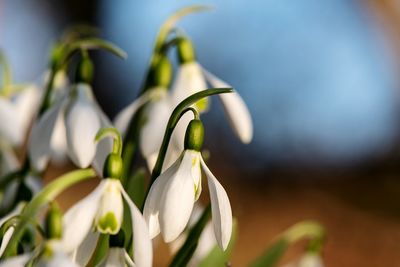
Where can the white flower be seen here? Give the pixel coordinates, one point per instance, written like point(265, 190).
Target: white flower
point(17, 112)
point(53, 256)
point(191, 78)
point(171, 198)
point(70, 124)
point(155, 115)
point(308, 260)
point(102, 210)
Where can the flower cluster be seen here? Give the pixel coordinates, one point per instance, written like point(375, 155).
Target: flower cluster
point(115, 224)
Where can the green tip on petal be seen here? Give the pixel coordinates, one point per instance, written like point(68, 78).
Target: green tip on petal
point(108, 224)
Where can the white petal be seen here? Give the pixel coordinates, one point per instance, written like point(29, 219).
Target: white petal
point(83, 123)
point(156, 115)
point(79, 219)
point(84, 252)
point(236, 110)
point(59, 141)
point(177, 200)
point(41, 134)
point(27, 105)
point(18, 261)
point(121, 121)
point(142, 246)
point(221, 209)
point(111, 209)
point(154, 199)
point(10, 124)
point(190, 80)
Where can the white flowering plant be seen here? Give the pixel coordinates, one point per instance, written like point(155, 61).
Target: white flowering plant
point(115, 224)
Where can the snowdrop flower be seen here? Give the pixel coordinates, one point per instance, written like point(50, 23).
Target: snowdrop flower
point(51, 256)
point(308, 260)
point(17, 112)
point(171, 197)
point(102, 210)
point(156, 113)
point(19, 108)
point(192, 78)
point(70, 124)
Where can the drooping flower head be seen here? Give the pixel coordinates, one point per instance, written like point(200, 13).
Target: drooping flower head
point(68, 127)
point(102, 212)
point(171, 198)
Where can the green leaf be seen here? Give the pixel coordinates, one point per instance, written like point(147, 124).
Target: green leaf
point(218, 257)
point(48, 193)
point(187, 250)
point(272, 255)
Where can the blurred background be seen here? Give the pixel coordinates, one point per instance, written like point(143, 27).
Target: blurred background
point(321, 79)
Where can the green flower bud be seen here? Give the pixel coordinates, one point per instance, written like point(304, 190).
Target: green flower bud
point(161, 73)
point(85, 70)
point(113, 166)
point(117, 240)
point(194, 136)
point(53, 222)
point(186, 52)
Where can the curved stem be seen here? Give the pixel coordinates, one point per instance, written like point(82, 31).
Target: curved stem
point(117, 144)
point(173, 120)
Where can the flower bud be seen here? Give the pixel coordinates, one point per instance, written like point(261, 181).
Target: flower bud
point(113, 166)
point(53, 222)
point(117, 240)
point(186, 52)
point(85, 70)
point(161, 73)
point(194, 135)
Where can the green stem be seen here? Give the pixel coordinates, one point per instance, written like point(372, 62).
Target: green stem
point(117, 144)
point(173, 121)
point(48, 193)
